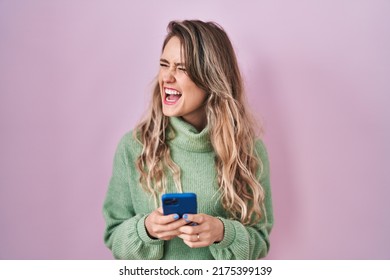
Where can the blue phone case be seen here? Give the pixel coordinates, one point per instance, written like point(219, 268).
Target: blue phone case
point(179, 203)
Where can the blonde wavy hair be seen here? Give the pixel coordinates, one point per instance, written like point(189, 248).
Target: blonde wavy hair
point(211, 64)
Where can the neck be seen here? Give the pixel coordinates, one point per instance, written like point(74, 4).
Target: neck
point(198, 121)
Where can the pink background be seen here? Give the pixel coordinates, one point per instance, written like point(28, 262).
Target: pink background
point(76, 75)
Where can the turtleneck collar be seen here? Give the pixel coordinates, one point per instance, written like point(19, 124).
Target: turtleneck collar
point(188, 138)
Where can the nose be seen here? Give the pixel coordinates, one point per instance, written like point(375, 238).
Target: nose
point(168, 75)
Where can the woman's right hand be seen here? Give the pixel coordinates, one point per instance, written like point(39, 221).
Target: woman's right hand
point(163, 227)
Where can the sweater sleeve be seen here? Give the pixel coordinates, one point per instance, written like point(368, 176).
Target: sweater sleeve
point(248, 242)
point(125, 232)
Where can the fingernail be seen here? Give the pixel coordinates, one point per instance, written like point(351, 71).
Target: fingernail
point(185, 217)
point(176, 216)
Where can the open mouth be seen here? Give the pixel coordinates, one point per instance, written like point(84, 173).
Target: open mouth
point(171, 96)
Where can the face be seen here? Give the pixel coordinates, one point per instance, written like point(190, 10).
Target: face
point(180, 96)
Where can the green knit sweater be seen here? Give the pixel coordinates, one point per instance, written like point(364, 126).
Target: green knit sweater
point(126, 205)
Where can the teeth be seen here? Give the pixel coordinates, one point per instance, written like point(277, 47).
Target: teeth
point(171, 91)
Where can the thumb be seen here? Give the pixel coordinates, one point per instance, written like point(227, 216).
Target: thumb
point(196, 218)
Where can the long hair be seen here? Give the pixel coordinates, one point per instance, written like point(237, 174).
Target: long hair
point(211, 64)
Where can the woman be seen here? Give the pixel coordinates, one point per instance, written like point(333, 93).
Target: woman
point(197, 137)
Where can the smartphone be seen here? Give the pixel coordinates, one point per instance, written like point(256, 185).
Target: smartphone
point(179, 203)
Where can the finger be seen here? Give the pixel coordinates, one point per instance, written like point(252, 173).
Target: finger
point(172, 228)
point(191, 230)
point(167, 235)
point(161, 219)
point(189, 237)
point(163, 234)
point(196, 218)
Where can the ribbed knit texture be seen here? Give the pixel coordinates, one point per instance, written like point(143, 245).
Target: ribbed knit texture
point(127, 205)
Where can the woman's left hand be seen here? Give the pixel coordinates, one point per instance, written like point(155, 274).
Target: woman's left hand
point(207, 230)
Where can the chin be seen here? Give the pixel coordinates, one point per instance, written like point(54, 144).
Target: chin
point(169, 114)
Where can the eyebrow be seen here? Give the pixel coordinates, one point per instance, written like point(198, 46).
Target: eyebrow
point(176, 64)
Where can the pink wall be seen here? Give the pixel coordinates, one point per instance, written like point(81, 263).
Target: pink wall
point(75, 76)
